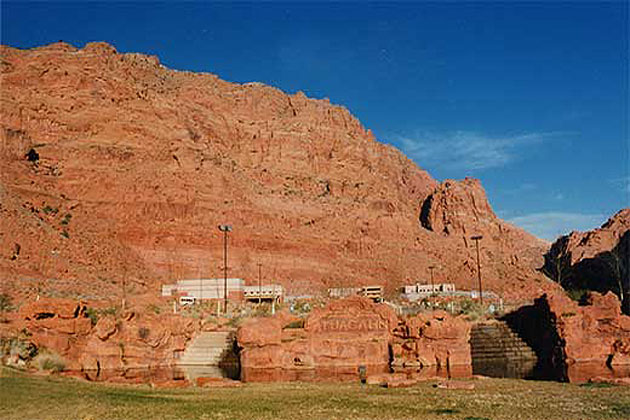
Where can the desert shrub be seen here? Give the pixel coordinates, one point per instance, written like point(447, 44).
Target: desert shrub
point(110, 310)
point(47, 360)
point(578, 295)
point(92, 314)
point(301, 307)
point(298, 323)
point(143, 333)
point(262, 310)
point(471, 309)
point(66, 219)
point(154, 308)
point(6, 303)
point(235, 321)
point(50, 210)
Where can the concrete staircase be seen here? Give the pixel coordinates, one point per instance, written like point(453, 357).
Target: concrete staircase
point(210, 354)
point(499, 352)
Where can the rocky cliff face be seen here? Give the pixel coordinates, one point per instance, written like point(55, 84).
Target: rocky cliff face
point(595, 260)
point(115, 169)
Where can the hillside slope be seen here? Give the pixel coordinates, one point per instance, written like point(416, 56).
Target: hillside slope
point(114, 167)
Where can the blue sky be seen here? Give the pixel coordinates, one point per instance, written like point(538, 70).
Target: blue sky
point(532, 98)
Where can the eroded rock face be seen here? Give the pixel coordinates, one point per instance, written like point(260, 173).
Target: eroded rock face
point(596, 260)
point(336, 340)
point(47, 308)
point(126, 347)
point(134, 165)
point(350, 333)
point(435, 339)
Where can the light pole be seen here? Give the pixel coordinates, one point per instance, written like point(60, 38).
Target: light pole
point(477, 238)
point(431, 267)
point(225, 229)
point(259, 284)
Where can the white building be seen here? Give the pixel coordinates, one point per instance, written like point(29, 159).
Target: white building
point(264, 292)
point(340, 292)
point(205, 288)
point(418, 291)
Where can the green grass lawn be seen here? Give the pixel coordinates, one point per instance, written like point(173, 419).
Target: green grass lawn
point(29, 397)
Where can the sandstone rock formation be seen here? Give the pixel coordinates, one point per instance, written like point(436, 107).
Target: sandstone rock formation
point(567, 336)
point(127, 347)
point(115, 172)
point(596, 260)
point(437, 339)
point(353, 332)
point(334, 342)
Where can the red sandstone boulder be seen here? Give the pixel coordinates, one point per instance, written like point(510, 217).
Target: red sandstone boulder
point(432, 339)
point(105, 327)
point(260, 332)
point(595, 333)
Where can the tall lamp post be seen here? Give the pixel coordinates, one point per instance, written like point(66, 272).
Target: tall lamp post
point(431, 267)
point(259, 283)
point(225, 229)
point(477, 238)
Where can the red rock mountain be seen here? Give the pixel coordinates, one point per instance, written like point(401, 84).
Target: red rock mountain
point(113, 167)
point(595, 260)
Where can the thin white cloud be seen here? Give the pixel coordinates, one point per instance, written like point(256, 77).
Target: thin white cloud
point(468, 150)
point(550, 225)
point(622, 183)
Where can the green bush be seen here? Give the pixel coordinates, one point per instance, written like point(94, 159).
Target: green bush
point(92, 314)
point(50, 210)
point(577, 294)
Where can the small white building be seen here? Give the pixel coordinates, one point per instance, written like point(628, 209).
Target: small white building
point(202, 289)
point(341, 292)
point(418, 291)
point(263, 292)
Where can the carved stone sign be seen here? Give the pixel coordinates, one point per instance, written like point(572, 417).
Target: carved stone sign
point(351, 316)
point(340, 323)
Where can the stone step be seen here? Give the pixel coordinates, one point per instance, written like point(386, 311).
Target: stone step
point(498, 336)
point(504, 345)
point(480, 353)
point(495, 346)
point(213, 340)
point(512, 347)
point(209, 349)
point(503, 357)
